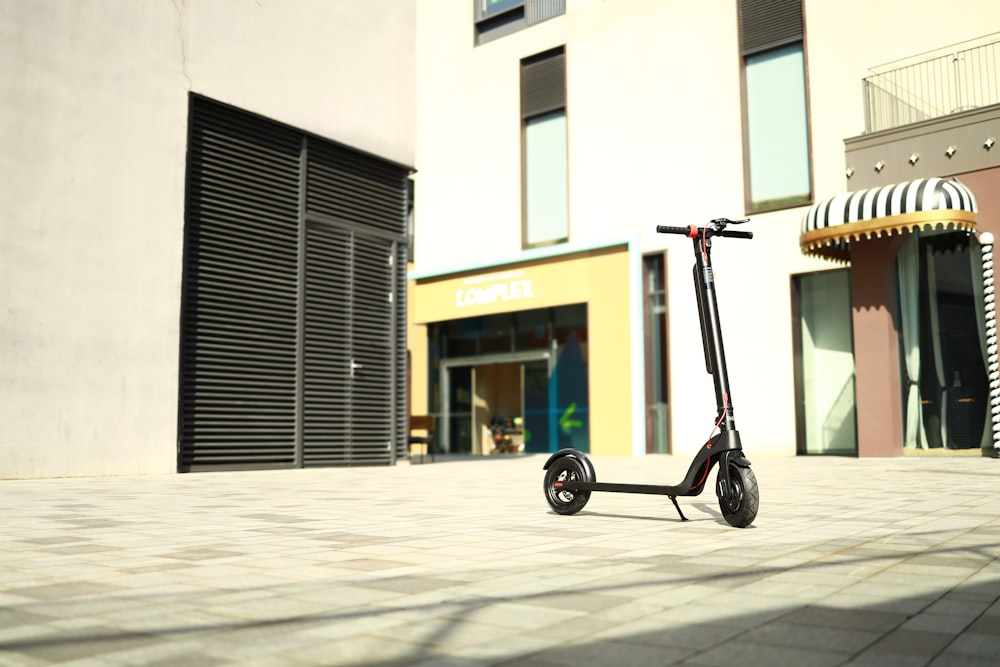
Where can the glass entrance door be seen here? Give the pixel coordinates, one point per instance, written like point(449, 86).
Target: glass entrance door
point(531, 365)
point(826, 415)
point(477, 391)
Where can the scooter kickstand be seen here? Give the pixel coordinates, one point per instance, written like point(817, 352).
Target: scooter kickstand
point(673, 499)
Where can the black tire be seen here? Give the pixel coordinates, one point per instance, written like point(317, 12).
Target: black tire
point(561, 501)
point(741, 509)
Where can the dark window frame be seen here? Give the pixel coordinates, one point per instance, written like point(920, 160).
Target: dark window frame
point(543, 92)
point(658, 262)
point(762, 32)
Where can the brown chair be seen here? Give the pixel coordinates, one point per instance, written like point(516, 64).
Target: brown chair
point(422, 444)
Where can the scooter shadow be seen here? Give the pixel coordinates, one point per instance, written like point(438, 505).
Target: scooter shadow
point(668, 519)
point(702, 507)
point(718, 518)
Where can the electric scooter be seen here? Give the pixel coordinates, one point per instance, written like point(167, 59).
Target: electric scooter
point(569, 474)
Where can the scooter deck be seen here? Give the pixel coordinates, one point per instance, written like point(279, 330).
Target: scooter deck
point(651, 489)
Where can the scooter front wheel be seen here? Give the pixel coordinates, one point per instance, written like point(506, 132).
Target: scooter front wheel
point(740, 508)
point(562, 501)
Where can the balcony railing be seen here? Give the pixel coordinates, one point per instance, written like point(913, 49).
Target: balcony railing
point(953, 81)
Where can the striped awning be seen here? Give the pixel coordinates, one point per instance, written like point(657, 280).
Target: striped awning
point(925, 203)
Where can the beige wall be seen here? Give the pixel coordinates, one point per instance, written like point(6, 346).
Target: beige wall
point(655, 137)
point(93, 115)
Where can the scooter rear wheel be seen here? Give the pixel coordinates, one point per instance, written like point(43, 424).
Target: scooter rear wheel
point(565, 469)
point(740, 509)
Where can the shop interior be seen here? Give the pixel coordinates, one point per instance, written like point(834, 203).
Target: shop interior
point(512, 383)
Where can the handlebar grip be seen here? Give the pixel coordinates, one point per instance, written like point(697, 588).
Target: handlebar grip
point(664, 229)
point(734, 234)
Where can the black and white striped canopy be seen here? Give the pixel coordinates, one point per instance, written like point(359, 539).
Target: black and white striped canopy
point(829, 226)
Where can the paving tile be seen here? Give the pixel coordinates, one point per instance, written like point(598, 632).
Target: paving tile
point(93, 641)
point(943, 623)
point(975, 644)
point(912, 642)
point(611, 653)
point(952, 660)
point(797, 635)
point(63, 591)
point(748, 652)
point(886, 659)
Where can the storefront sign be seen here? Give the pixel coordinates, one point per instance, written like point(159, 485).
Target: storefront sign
point(493, 287)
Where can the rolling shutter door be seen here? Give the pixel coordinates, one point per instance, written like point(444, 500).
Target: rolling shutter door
point(238, 364)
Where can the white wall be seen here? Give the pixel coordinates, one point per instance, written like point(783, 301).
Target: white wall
point(655, 137)
point(93, 132)
point(340, 68)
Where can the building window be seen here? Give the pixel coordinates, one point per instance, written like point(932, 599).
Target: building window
point(496, 18)
point(545, 177)
point(654, 317)
point(494, 7)
point(777, 171)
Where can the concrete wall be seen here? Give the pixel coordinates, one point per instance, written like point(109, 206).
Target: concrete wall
point(93, 133)
point(655, 137)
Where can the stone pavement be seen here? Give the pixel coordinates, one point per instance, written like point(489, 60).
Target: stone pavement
point(460, 562)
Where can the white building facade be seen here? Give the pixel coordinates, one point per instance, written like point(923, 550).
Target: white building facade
point(553, 136)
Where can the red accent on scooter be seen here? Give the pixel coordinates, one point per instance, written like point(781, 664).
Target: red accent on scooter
point(708, 464)
point(692, 231)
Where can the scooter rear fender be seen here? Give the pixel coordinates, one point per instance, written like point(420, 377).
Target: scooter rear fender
point(588, 467)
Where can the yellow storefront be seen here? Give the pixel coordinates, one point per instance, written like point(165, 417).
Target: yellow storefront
point(544, 347)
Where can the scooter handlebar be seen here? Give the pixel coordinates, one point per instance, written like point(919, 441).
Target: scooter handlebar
point(664, 229)
point(692, 232)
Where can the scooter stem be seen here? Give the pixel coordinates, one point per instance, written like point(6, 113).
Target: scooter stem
point(711, 328)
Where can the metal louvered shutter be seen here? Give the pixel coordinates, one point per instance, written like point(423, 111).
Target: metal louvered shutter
point(543, 83)
point(238, 363)
point(768, 24)
point(355, 188)
point(537, 11)
point(293, 311)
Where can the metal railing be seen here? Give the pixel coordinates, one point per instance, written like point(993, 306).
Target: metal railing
point(954, 81)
